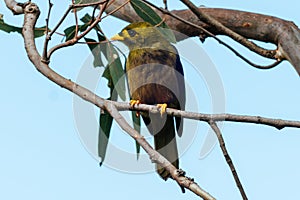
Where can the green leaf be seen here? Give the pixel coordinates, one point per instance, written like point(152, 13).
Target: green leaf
point(149, 15)
point(96, 51)
point(101, 38)
point(105, 123)
point(86, 18)
point(116, 70)
point(106, 74)
point(145, 12)
point(136, 119)
point(70, 31)
point(38, 32)
point(104, 133)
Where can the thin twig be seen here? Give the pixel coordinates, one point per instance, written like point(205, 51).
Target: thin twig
point(216, 129)
point(69, 9)
point(48, 38)
point(102, 42)
point(164, 11)
point(219, 26)
point(78, 37)
point(76, 19)
point(116, 9)
point(276, 123)
point(89, 4)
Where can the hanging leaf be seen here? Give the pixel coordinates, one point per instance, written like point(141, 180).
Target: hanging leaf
point(149, 15)
point(38, 32)
point(70, 31)
point(136, 119)
point(106, 120)
point(96, 51)
point(86, 18)
point(104, 133)
point(116, 70)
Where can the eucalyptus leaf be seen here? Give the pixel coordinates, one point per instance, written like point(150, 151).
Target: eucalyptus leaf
point(116, 70)
point(105, 123)
point(38, 32)
point(104, 133)
point(96, 51)
point(87, 19)
point(149, 15)
point(136, 119)
point(70, 31)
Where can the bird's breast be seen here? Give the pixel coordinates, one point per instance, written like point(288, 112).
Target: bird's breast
point(152, 77)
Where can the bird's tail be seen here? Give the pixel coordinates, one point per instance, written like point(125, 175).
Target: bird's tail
point(165, 144)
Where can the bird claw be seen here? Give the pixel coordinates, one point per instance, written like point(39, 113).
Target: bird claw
point(180, 172)
point(162, 107)
point(133, 103)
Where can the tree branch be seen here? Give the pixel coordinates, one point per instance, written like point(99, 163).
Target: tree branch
point(227, 31)
point(284, 34)
point(216, 129)
point(277, 123)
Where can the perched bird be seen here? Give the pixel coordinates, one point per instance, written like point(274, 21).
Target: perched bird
point(155, 77)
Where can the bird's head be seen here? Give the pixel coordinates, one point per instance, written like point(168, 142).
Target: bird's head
point(140, 35)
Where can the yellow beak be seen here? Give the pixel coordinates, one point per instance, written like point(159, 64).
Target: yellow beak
point(117, 37)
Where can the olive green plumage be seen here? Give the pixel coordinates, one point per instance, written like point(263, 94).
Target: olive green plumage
point(155, 76)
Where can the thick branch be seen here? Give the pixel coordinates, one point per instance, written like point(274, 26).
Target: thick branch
point(282, 33)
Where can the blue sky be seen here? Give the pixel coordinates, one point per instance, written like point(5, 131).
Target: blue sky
point(43, 156)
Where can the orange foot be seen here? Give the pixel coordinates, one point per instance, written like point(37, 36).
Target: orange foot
point(162, 107)
point(133, 103)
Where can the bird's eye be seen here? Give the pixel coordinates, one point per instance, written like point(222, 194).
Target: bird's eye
point(131, 33)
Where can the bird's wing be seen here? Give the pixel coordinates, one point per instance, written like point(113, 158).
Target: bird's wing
point(181, 96)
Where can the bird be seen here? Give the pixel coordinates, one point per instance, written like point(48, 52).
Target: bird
point(155, 76)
